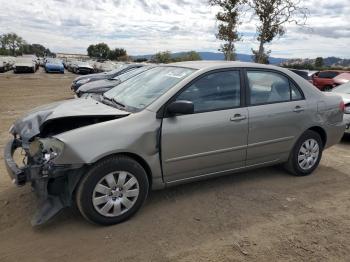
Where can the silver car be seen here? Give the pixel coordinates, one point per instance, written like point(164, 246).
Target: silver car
point(344, 91)
point(169, 125)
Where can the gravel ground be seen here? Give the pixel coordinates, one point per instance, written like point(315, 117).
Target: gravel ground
point(261, 215)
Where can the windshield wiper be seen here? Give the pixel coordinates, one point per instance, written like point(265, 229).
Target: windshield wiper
point(118, 103)
point(113, 101)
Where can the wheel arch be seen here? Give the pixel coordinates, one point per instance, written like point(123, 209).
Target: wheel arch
point(319, 130)
point(135, 157)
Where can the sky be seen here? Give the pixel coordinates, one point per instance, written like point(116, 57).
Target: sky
point(149, 26)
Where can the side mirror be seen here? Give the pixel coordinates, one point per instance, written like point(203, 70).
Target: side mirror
point(180, 107)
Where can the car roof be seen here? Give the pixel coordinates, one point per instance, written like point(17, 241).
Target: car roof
point(203, 64)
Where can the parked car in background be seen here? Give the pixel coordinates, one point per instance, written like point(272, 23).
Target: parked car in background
point(79, 81)
point(303, 73)
point(54, 66)
point(71, 65)
point(101, 86)
point(83, 68)
point(6, 63)
point(105, 66)
point(344, 91)
point(169, 125)
point(325, 80)
point(341, 79)
point(25, 64)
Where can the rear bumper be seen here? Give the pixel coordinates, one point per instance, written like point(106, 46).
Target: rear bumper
point(334, 133)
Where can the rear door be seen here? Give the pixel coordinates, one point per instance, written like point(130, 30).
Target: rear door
point(214, 138)
point(276, 116)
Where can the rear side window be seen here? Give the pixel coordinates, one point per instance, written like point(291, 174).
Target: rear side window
point(269, 87)
point(215, 91)
point(295, 92)
point(327, 74)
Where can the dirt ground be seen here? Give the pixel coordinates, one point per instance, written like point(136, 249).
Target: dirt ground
point(262, 215)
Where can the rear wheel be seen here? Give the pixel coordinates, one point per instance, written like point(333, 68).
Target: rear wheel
point(112, 191)
point(306, 154)
point(327, 88)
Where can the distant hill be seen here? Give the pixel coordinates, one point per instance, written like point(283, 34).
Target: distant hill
point(328, 61)
point(218, 56)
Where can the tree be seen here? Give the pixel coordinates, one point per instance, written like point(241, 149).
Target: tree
point(188, 56)
point(13, 42)
point(162, 57)
point(273, 15)
point(37, 49)
point(192, 56)
point(228, 23)
point(100, 51)
point(117, 54)
point(319, 63)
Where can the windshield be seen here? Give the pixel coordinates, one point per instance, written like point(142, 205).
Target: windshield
point(54, 61)
point(141, 90)
point(344, 88)
point(131, 73)
point(24, 60)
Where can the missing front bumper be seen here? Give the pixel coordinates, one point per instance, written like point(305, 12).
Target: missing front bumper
point(53, 185)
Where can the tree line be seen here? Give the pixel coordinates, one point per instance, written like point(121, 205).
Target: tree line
point(14, 45)
point(168, 57)
point(102, 51)
point(318, 64)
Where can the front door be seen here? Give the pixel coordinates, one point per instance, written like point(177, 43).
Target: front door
point(214, 138)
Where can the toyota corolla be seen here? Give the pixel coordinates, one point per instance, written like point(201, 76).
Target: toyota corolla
point(171, 124)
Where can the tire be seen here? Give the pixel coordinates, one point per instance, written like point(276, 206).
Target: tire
point(297, 166)
point(327, 88)
point(102, 201)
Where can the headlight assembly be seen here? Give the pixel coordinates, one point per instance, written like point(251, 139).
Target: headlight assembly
point(45, 149)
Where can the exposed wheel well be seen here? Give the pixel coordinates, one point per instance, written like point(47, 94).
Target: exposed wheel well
point(321, 132)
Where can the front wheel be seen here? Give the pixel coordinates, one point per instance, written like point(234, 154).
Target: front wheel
point(112, 191)
point(306, 154)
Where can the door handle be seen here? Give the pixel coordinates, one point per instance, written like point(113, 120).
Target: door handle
point(237, 117)
point(298, 109)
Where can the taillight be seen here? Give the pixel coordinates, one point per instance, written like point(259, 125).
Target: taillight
point(342, 106)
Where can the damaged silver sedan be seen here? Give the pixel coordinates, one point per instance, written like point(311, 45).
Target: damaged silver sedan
point(169, 125)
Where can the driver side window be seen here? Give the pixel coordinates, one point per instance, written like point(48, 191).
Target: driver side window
point(215, 91)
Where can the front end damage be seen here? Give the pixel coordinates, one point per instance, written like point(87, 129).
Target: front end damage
point(53, 184)
point(52, 179)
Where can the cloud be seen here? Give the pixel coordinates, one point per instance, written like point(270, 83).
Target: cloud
point(148, 26)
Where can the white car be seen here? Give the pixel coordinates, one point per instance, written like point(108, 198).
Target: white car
point(344, 91)
point(24, 65)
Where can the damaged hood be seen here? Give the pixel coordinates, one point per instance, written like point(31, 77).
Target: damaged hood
point(30, 124)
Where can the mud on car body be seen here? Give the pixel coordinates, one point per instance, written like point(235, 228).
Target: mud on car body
point(169, 125)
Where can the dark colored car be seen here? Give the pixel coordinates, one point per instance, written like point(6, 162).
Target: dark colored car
point(303, 73)
point(325, 81)
point(101, 86)
point(79, 81)
point(83, 68)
